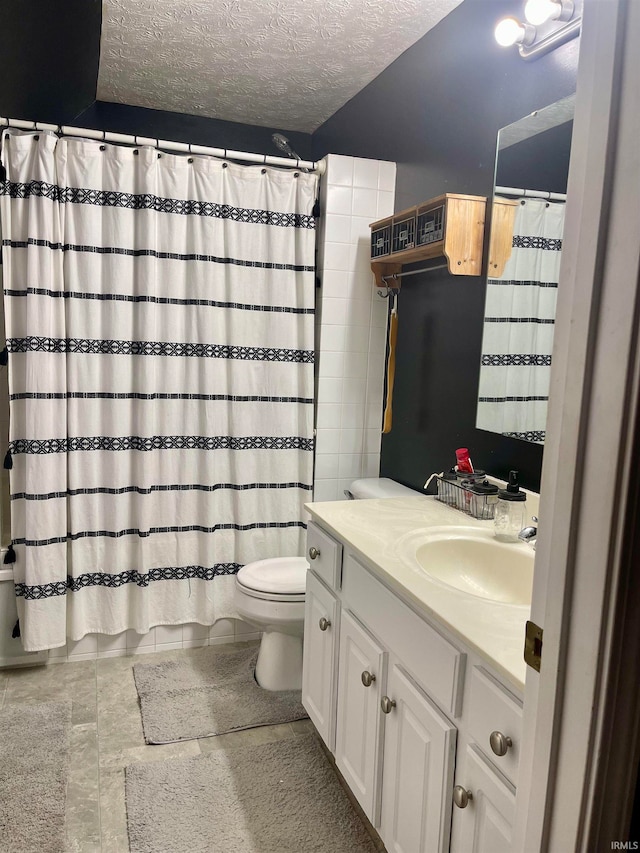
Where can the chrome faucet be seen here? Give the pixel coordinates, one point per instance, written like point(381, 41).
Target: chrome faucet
point(529, 533)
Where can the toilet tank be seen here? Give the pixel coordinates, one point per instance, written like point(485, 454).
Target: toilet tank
point(378, 487)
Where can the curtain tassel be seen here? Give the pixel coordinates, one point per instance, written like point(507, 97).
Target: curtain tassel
point(4, 357)
point(8, 460)
point(10, 556)
point(16, 630)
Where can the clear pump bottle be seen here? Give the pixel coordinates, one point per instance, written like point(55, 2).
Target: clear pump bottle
point(510, 513)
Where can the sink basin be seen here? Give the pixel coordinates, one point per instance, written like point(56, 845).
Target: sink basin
point(472, 561)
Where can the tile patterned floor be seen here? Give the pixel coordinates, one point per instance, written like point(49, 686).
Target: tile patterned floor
point(107, 735)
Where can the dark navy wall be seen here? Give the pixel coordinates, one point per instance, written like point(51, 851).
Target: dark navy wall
point(180, 127)
point(436, 111)
point(49, 52)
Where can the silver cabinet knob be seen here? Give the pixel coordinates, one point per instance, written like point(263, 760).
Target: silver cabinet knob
point(461, 796)
point(499, 743)
point(324, 623)
point(387, 704)
point(367, 678)
point(313, 553)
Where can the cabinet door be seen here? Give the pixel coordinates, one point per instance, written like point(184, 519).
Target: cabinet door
point(319, 662)
point(358, 735)
point(419, 759)
point(484, 825)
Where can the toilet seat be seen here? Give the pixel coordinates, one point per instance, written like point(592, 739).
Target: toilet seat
point(274, 579)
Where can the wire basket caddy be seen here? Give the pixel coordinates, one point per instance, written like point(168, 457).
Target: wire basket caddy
point(459, 494)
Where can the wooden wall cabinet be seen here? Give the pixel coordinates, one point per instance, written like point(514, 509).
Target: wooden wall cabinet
point(449, 226)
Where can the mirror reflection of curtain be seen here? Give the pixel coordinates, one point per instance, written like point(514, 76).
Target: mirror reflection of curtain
point(518, 326)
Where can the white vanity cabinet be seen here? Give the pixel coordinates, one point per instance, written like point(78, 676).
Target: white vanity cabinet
point(410, 714)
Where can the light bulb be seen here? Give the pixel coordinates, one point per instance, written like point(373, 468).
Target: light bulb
point(538, 12)
point(509, 31)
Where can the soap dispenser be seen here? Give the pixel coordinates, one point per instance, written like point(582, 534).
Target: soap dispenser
point(510, 513)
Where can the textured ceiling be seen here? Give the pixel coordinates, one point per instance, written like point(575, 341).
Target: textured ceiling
point(278, 63)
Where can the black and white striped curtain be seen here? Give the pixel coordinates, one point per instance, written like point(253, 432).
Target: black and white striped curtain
point(519, 321)
point(159, 318)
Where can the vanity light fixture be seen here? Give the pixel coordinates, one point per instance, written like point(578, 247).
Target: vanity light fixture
point(548, 24)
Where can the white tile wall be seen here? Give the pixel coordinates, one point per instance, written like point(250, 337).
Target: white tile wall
point(352, 321)
point(158, 639)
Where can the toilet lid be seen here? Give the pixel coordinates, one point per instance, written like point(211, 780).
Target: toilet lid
point(280, 575)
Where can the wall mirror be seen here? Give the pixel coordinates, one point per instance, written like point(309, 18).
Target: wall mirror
point(525, 246)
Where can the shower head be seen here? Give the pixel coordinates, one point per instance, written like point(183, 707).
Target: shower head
point(281, 142)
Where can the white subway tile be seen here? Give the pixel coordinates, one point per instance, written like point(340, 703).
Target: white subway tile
point(355, 365)
point(335, 283)
point(356, 339)
point(194, 631)
point(371, 465)
point(365, 203)
point(168, 634)
point(360, 230)
point(222, 641)
point(353, 415)
point(325, 490)
point(373, 419)
point(339, 200)
point(376, 364)
point(328, 441)
point(60, 652)
point(334, 311)
point(354, 390)
point(385, 205)
point(142, 650)
point(351, 441)
point(87, 645)
point(350, 466)
point(358, 312)
point(82, 656)
point(109, 643)
point(331, 364)
point(140, 641)
point(378, 314)
point(387, 177)
point(195, 644)
point(339, 170)
point(377, 339)
point(372, 441)
point(336, 256)
point(329, 415)
point(327, 465)
point(243, 628)
point(222, 628)
point(365, 173)
point(337, 229)
point(329, 389)
point(112, 653)
point(168, 647)
point(332, 337)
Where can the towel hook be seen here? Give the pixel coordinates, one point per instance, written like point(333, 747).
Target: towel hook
point(390, 288)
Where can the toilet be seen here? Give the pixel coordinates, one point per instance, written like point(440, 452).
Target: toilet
point(270, 594)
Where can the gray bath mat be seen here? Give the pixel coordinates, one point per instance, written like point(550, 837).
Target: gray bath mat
point(209, 693)
point(34, 759)
point(280, 797)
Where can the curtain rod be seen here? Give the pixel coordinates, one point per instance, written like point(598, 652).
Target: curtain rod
point(166, 145)
point(531, 193)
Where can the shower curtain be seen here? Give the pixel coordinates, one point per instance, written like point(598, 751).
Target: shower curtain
point(159, 317)
point(519, 320)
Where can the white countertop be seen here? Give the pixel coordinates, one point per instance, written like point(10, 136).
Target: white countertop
point(372, 527)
